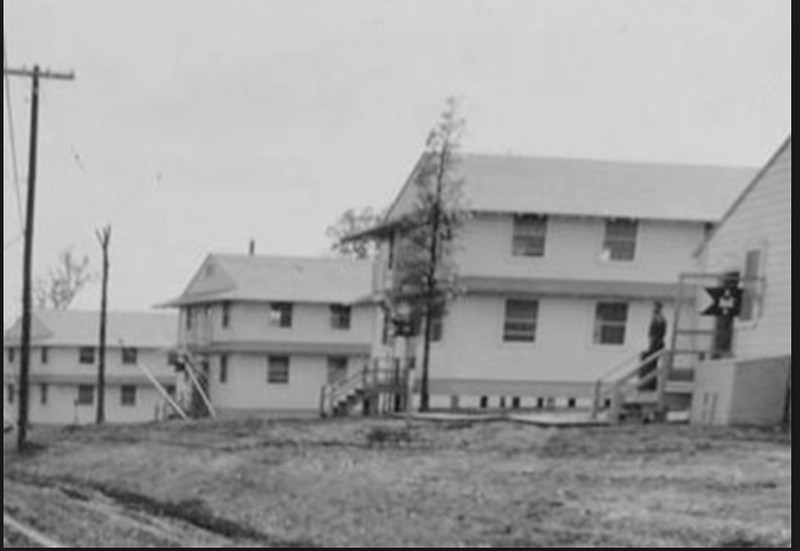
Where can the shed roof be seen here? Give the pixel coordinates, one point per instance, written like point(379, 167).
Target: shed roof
point(277, 278)
point(82, 328)
point(579, 187)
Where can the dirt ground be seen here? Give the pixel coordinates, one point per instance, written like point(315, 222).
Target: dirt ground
point(385, 483)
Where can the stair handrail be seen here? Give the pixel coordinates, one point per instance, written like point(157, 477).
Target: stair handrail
point(362, 379)
point(616, 388)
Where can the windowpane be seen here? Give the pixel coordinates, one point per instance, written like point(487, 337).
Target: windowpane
point(281, 314)
point(529, 237)
point(610, 321)
point(337, 368)
point(85, 395)
point(620, 239)
point(129, 356)
point(520, 320)
point(86, 355)
point(128, 395)
point(340, 316)
point(278, 370)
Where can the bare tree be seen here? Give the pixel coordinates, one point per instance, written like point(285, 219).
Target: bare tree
point(351, 222)
point(426, 276)
point(63, 282)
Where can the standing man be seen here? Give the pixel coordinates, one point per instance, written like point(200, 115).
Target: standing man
point(656, 334)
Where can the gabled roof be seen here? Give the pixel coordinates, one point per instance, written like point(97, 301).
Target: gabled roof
point(277, 278)
point(577, 187)
point(784, 149)
point(82, 328)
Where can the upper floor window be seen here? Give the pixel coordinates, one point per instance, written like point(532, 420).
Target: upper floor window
point(128, 395)
point(45, 354)
point(278, 370)
point(520, 320)
point(340, 316)
point(130, 356)
point(620, 239)
point(226, 314)
point(530, 232)
point(281, 314)
point(751, 285)
point(11, 354)
point(86, 355)
point(85, 395)
point(609, 323)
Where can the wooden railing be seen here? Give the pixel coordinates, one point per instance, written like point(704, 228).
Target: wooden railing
point(366, 380)
point(616, 390)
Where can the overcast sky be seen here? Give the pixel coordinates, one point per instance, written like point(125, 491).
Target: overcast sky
point(196, 125)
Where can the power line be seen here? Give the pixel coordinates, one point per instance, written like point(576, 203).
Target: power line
point(12, 137)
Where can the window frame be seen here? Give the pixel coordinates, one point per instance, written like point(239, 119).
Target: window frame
point(126, 355)
point(530, 241)
point(278, 361)
point(281, 314)
point(83, 392)
point(84, 353)
point(127, 399)
point(341, 316)
point(600, 324)
point(512, 336)
point(610, 241)
point(225, 321)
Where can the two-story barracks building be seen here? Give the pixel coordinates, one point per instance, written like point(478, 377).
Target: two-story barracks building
point(560, 262)
point(268, 332)
point(64, 362)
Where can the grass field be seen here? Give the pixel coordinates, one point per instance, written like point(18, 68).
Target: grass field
point(378, 483)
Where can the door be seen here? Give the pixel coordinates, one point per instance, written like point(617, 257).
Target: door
point(722, 345)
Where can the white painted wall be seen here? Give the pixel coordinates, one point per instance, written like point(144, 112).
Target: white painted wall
point(472, 345)
point(762, 219)
point(250, 322)
point(61, 396)
point(247, 387)
point(573, 250)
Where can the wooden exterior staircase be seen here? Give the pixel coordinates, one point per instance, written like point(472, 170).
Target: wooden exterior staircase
point(376, 390)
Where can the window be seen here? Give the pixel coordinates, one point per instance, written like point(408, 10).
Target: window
point(609, 323)
point(226, 315)
point(337, 368)
point(85, 395)
point(189, 318)
point(281, 314)
point(750, 283)
point(278, 370)
point(620, 240)
point(43, 388)
point(530, 231)
point(45, 354)
point(437, 327)
point(11, 354)
point(128, 395)
point(11, 391)
point(340, 316)
point(86, 355)
point(520, 320)
point(130, 356)
point(223, 368)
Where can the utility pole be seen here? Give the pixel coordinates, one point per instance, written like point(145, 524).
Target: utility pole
point(104, 238)
point(25, 348)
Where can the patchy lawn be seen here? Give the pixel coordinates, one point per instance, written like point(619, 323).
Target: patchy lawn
point(394, 483)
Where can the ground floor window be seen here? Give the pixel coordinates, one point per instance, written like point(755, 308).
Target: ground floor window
point(223, 369)
point(43, 389)
point(609, 323)
point(337, 368)
point(85, 395)
point(278, 370)
point(128, 395)
point(520, 320)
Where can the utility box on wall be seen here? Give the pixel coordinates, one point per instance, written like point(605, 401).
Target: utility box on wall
point(735, 391)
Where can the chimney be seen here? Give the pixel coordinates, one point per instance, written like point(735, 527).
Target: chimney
point(252, 247)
